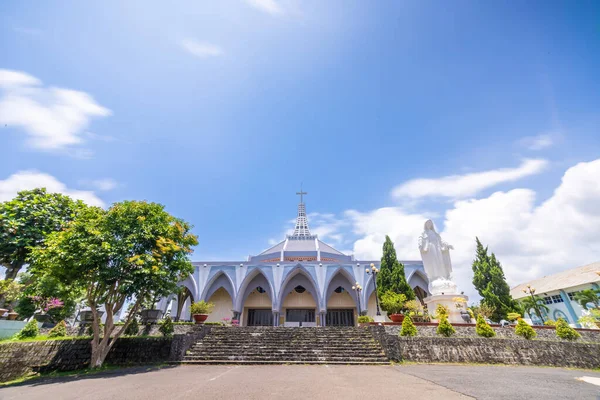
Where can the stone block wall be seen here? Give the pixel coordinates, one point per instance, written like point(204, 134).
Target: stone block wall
point(23, 358)
point(464, 330)
point(496, 350)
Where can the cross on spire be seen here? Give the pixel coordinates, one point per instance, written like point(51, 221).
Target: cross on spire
point(301, 193)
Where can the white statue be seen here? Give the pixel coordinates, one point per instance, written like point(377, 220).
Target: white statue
point(435, 254)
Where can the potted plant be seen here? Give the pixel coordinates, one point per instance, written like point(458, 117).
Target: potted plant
point(200, 310)
point(150, 314)
point(461, 305)
point(393, 303)
point(364, 320)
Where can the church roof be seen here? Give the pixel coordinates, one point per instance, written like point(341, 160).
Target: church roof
point(301, 243)
point(562, 280)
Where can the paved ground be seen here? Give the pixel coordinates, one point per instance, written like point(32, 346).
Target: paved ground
point(421, 382)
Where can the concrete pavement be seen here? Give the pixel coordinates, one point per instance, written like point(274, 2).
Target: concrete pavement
point(317, 382)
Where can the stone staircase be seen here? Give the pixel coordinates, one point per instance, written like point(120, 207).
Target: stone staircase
point(279, 345)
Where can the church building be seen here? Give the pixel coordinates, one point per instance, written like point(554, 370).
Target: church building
point(300, 281)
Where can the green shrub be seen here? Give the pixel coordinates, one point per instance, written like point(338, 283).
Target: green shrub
point(363, 319)
point(564, 331)
point(483, 328)
point(166, 328)
point(60, 330)
point(445, 328)
point(550, 322)
point(30, 330)
point(408, 328)
point(513, 316)
point(133, 328)
point(441, 311)
point(523, 329)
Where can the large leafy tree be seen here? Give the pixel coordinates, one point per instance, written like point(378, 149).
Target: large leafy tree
point(26, 220)
point(131, 251)
point(489, 280)
point(391, 273)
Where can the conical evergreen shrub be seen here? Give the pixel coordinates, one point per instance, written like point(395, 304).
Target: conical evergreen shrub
point(523, 329)
point(564, 331)
point(408, 328)
point(30, 330)
point(445, 328)
point(483, 328)
point(133, 328)
point(167, 328)
point(60, 330)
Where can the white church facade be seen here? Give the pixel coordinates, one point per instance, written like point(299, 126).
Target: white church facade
point(300, 281)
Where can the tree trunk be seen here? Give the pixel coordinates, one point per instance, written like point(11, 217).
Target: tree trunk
point(12, 270)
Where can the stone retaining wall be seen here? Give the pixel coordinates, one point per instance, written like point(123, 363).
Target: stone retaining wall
point(498, 351)
point(22, 358)
point(464, 330)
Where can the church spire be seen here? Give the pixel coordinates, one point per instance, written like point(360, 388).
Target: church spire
point(301, 230)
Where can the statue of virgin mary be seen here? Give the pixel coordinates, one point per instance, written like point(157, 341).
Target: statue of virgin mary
point(435, 254)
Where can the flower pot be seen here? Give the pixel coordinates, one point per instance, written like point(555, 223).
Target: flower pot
point(42, 318)
point(150, 316)
point(2, 311)
point(200, 318)
point(397, 317)
point(12, 316)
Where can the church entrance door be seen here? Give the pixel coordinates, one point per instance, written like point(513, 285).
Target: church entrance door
point(300, 315)
point(340, 317)
point(260, 317)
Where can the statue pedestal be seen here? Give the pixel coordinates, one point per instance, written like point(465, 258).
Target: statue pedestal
point(447, 300)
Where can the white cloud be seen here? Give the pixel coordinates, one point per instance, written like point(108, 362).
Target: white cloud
point(27, 180)
point(102, 185)
point(538, 142)
point(268, 6)
point(53, 118)
point(201, 49)
point(530, 240)
point(462, 186)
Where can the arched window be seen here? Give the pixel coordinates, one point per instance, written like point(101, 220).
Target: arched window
point(339, 289)
point(559, 314)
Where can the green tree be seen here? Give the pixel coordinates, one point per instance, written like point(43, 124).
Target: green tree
point(588, 296)
point(523, 329)
point(408, 328)
point(29, 331)
point(26, 220)
point(564, 331)
point(483, 329)
point(489, 280)
point(445, 328)
point(391, 273)
point(536, 304)
point(133, 249)
point(59, 330)
point(39, 289)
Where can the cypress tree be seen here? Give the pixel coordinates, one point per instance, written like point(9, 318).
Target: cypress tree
point(489, 280)
point(391, 273)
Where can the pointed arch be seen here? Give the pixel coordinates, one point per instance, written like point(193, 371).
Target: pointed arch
point(191, 285)
point(255, 278)
point(219, 280)
point(418, 278)
point(340, 277)
point(298, 275)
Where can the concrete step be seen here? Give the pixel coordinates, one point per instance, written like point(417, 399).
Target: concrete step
point(254, 362)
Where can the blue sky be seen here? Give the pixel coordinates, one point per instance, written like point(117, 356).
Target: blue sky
point(220, 111)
